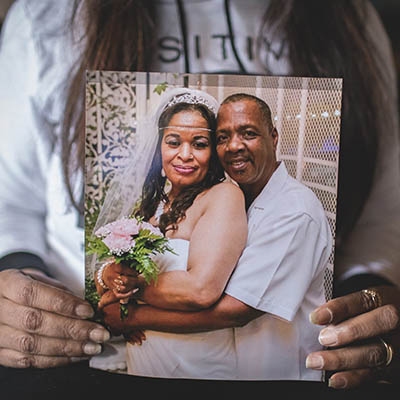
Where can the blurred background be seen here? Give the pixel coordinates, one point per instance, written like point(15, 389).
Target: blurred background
point(389, 11)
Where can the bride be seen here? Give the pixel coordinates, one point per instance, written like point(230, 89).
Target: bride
point(205, 220)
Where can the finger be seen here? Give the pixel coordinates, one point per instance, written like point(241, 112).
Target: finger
point(22, 289)
point(125, 295)
point(118, 288)
point(42, 277)
point(124, 283)
point(344, 307)
point(369, 355)
point(339, 309)
point(375, 323)
point(44, 323)
point(107, 298)
point(15, 359)
point(352, 379)
point(135, 337)
point(28, 343)
point(128, 282)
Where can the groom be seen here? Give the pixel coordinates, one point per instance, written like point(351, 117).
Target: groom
point(278, 281)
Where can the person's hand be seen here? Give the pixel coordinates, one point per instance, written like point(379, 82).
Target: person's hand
point(121, 280)
point(112, 318)
point(362, 337)
point(107, 298)
point(43, 325)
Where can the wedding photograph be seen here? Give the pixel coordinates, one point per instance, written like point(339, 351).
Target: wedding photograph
point(210, 214)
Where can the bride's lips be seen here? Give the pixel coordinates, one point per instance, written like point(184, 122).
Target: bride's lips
point(184, 169)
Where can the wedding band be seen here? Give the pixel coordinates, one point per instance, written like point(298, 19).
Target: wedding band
point(373, 298)
point(389, 352)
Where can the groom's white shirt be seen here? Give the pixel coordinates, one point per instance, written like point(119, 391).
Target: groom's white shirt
point(281, 272)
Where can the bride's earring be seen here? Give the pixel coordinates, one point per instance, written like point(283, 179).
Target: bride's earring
point(162, 172)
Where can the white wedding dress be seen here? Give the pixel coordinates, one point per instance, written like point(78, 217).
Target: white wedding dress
point(207, 355)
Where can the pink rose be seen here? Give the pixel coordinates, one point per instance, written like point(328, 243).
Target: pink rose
point(119, 244)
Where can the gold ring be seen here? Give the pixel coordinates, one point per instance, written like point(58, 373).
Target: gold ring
point(389, 352)
point(373, 298)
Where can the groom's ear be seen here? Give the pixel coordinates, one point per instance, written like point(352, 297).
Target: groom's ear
point(275, 137)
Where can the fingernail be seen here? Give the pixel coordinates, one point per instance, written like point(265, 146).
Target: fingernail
point(322, 316)
point(99, 335)
point(314, 362)
point(328, 337)
point(337, 382)
point(84, 311)
point(91, 348)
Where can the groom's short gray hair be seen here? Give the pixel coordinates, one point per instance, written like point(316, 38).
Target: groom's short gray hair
point(263, 106)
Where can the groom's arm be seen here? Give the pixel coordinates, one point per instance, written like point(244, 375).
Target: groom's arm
point(227, 312)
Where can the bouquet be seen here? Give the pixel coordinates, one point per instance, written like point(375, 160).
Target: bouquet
point(130, 241)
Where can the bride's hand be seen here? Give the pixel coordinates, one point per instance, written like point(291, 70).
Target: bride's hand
point(121, 280)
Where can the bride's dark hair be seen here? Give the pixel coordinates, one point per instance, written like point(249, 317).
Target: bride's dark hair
point(324, 38)
point(153, 188)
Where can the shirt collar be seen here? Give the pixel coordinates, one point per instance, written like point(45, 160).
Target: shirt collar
point(273, 186)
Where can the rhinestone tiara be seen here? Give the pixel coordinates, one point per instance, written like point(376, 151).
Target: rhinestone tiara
point(191, 99)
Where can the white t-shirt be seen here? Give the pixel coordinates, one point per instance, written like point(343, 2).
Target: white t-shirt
point(35, 212)
point(36, 61)
point(209, 28)
point(281, 272)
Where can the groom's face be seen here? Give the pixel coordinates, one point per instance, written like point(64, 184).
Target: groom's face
point(246, 145)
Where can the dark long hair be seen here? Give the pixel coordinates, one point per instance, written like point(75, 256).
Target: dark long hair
point(325, 38)
point(153, 188)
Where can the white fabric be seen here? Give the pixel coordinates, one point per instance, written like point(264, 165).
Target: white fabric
point(209, 47)
point(35, 65)
point(113, 356)
point(35, 214)
point(281, 272)
point(207, 355)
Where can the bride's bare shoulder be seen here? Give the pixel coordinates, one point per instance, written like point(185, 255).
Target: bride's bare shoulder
point(226, 190)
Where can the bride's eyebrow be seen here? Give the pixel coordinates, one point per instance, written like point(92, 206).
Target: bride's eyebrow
point(174, 135)
point(198, 137)
point(178, 136)
point(185, 127)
